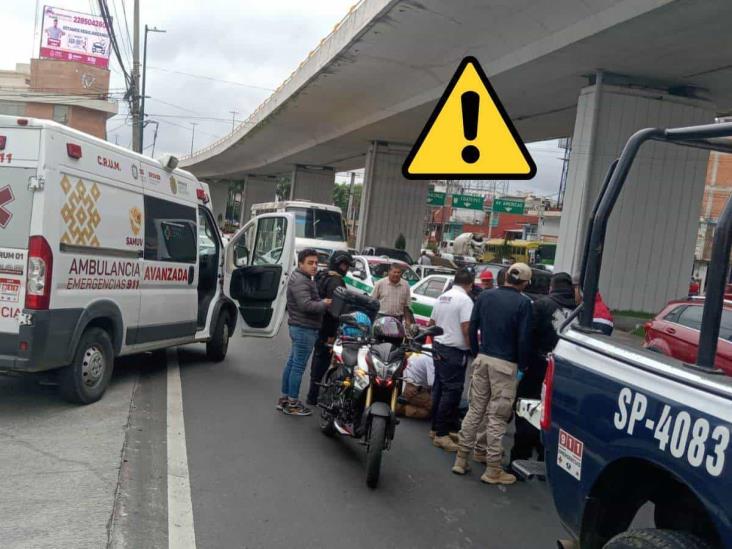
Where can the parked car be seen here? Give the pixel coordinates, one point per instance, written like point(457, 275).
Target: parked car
point(423, 271)
point(368, 270)
point(393, 253)
point(675, 332)
point(425, 294)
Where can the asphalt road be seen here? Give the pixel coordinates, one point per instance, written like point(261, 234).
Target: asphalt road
point(101, 475)
point(260, 479)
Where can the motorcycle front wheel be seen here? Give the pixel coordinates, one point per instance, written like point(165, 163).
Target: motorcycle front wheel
point(377, 439)
point(327, 421)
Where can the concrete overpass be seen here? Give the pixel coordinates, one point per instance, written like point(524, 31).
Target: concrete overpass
point(362, 96)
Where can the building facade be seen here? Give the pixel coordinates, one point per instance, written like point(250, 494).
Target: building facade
point(66, 92)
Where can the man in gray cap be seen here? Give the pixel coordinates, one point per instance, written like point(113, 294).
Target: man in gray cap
point(503, 318)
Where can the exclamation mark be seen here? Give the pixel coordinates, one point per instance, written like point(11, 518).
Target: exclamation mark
point(471, 107)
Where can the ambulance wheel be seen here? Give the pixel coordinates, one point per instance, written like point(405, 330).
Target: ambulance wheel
point(219, 343)
point(87, 377)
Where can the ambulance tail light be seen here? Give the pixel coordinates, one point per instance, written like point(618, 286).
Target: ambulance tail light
point(40, 273)
point(73, 150)
point(202, 196)
point(547, 389)
point(3, 141)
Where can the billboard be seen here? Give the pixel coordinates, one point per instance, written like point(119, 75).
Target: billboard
point(72, 36)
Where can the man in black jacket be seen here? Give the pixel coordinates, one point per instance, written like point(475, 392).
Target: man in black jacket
point(327, 282)
point(549, 314)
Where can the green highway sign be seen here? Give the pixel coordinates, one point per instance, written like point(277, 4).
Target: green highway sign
point(435, 198)
point(508, 205)
point(467, 201)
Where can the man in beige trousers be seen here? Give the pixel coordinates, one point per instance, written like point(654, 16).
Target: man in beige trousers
point(503, 318)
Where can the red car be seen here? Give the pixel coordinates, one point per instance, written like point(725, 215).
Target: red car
point(675, 332)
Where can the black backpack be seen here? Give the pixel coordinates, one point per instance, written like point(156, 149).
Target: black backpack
point(321, 282)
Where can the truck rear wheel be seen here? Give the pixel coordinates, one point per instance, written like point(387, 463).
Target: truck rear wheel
point(87, 377)
point(218, 345)
point(656, 539)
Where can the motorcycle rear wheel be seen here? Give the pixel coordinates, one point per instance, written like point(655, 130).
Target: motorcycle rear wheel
point(377, 439)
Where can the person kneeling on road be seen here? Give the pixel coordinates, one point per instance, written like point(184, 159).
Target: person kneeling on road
point(327, 282)
point(451, 313)
point(305, 310)
point(503, 317)
point(419, 377)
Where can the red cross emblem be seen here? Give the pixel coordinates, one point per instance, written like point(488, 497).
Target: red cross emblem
point(6, 197)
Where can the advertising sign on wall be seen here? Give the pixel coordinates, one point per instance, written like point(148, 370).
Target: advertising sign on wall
point(73, 36)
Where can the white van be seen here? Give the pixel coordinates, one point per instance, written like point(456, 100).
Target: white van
point(105, 252)
point(318, 226)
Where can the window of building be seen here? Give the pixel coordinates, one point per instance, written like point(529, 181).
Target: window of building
point(170, 231)
point(61, 114)
point(12, 108)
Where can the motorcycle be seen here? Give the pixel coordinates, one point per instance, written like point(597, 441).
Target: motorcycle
point(358, 394)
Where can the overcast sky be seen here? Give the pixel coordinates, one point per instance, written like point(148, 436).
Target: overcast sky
point(239, 51)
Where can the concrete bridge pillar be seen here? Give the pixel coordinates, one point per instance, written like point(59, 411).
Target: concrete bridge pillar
point(219, 198)
point(390, 204)
point(651, 236)
point(314, 183)
point(256, 191)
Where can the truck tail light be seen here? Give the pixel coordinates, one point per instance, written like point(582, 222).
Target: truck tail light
point(3, 141)
point(546, 394)
point(73, 150)
point(40, 273)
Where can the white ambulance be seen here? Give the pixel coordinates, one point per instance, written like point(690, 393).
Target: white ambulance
point(105, 252)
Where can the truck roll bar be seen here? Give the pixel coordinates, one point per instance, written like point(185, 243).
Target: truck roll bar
point(708, 137)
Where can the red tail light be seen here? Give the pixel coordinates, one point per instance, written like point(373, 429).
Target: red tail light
point(546, 394)
point(202, 196)
point(3, 141)
point(73, 150)
point(647, 326)
point(40, 274)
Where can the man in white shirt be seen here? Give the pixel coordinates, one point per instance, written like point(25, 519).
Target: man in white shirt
point(416, 398)
point(452, 313)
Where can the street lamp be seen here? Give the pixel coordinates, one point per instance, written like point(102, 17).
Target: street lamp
point(193, 135)
point(141, 129)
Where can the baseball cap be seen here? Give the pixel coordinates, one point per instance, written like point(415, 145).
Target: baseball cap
point(486, 275)
point(520, 270)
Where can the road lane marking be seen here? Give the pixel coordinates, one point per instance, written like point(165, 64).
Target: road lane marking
point(181, 534)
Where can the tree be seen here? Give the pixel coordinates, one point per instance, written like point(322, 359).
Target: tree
point(401, 242)
point(340, 197)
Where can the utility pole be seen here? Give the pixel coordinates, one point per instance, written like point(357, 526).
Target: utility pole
point(490, 219)
point(135, 108)
point(193, 135)
point(144, 82)
point(349, 210)
point(233, 119)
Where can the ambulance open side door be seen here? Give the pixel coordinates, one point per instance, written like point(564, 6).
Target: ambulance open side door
point(258, 262)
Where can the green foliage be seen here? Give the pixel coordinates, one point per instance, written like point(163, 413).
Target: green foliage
point(401, 242)
point(340, 196)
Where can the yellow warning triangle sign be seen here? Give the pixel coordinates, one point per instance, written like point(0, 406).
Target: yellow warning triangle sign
point(469, 135)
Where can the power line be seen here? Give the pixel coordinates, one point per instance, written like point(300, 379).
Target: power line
point(118, 21)
point(212, 79)
point(127, 25)
point(103, 8)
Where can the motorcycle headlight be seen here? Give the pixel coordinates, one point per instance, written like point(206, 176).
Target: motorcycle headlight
point(381, 369)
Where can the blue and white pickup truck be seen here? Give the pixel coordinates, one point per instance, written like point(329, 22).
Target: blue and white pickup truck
point(625, 428)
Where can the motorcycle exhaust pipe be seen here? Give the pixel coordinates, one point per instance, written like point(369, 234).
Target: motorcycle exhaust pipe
point(567, 544)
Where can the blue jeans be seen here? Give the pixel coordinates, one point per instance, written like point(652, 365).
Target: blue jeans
point(303, 340)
